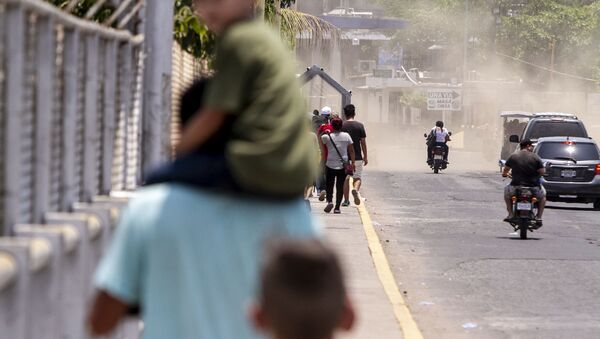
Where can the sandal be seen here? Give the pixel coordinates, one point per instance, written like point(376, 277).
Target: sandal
point(328, 208)
point(356, 197)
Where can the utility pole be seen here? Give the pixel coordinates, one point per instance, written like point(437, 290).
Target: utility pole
point(260, 9)
point(465, 63)
point(157, 79)
point(552, 58)
point(466, 43)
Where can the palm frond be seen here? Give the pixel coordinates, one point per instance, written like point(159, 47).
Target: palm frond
point(294, 24)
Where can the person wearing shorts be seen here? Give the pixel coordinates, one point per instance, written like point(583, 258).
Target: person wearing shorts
point(527, 169)
point(359, 138)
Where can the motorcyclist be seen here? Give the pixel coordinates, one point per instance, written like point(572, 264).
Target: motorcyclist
point(527, 169)
point(439, 136)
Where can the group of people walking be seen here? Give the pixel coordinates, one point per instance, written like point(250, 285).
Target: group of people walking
point(344, 154)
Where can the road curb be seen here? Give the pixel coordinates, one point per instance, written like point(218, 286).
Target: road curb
point(408, 326)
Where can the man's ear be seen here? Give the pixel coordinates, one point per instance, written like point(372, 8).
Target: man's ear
point(257, 316)
point(348, 316)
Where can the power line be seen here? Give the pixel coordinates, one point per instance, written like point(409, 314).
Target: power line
point(547, 69)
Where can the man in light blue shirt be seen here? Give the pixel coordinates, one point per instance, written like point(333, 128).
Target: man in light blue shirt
point(190, 259)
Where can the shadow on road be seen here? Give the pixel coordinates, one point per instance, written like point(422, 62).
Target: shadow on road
point(516, 237)
point(572, 208)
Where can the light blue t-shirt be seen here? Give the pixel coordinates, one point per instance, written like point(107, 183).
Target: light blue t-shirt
point(190, 259)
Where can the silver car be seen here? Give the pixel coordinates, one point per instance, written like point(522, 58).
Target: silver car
point(572, 169)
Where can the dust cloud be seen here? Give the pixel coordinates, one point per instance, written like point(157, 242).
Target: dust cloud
point(395, 125)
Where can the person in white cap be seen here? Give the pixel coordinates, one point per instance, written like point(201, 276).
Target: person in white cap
point(323, 128)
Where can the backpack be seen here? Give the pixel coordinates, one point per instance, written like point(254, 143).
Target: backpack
point(431, 139)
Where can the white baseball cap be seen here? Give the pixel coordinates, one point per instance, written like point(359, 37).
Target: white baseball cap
point(326, 110)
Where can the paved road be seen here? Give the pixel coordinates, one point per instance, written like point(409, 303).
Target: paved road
point(464, 274)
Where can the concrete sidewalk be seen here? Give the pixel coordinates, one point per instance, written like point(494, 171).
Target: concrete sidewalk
point(375, 315)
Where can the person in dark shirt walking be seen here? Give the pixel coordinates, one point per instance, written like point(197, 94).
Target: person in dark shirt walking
point(359, 138)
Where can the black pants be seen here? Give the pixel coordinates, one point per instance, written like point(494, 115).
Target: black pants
point(335, 177)
point(196, 169)
point(430, 150)
point(208, 172)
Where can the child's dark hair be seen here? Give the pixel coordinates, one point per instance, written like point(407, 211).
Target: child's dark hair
point(302, 289)
point(350, 111)
point(191, 100)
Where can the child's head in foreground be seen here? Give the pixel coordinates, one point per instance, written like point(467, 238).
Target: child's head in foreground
point(302, 293)
point(220, 14)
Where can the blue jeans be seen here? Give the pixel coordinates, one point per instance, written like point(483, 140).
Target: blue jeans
point(321, 182)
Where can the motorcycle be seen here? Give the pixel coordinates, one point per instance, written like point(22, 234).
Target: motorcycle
point(437, 162)
point(524, 211)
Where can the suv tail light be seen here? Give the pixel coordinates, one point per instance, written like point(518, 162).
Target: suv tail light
point(598, 169)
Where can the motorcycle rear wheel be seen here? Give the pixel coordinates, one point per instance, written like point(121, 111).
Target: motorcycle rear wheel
point(523, 231)
point(436, 171)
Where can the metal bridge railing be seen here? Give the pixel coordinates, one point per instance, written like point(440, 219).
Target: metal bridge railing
point(71, 133)
point(70, 110)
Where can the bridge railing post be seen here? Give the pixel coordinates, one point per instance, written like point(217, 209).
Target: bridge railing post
point(14, 106)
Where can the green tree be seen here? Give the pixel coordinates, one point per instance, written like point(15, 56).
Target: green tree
point(559, 35)
point(542, 35)
point(191, 34)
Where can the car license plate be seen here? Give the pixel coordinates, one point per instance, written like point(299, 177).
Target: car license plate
point(568, 173)
point(523, 206)
point(438, 157)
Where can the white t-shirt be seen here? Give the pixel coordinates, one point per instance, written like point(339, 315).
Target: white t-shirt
point(440, 134)
point(342, 140)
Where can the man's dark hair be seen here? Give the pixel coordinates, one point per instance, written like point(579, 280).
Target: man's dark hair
point(439, 124)
point(350, 111)
point(525, 143)
point(302, 289)
point(316, 112)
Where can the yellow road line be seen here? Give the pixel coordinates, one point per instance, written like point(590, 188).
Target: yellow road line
point(401, 311)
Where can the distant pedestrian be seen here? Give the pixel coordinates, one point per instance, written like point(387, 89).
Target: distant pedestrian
point(359, 138)
point(323, 129)
point(302, 294)
point(339, 154)
point(318, 120)
point(317, 146)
